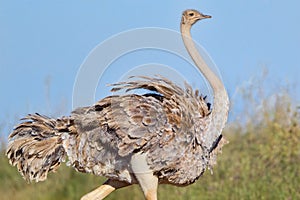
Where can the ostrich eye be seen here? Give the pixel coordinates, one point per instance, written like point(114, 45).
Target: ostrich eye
point(191, 14)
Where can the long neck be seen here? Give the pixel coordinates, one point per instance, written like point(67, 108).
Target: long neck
point(221, 103)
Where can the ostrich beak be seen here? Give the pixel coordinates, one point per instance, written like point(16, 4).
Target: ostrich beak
point(206, 16)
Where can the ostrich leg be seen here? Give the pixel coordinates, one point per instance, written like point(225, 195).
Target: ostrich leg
point(144, 175)
point(104, 190)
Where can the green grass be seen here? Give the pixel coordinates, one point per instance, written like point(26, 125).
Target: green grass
point(261, 162)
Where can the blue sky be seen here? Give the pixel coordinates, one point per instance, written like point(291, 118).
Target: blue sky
point(47, 41)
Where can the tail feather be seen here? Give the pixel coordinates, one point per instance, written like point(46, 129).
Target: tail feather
point(35, 146)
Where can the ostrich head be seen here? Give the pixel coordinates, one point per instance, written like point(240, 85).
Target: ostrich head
point(189, 17)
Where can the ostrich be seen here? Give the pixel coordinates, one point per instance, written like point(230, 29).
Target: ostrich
point(167, 136)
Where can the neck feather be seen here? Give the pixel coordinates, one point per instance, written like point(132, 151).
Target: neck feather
point(221, 103)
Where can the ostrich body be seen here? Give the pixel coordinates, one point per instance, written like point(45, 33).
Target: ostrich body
point(170, 136)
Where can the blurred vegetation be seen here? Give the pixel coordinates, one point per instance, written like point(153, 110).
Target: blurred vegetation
point(261, 162)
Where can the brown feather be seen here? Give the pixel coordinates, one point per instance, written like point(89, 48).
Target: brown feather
point(169, 125)
point(35, 146)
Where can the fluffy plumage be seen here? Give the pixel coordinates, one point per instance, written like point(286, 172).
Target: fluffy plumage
point(168, 124)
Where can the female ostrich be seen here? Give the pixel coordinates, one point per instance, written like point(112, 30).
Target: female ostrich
point(168, 136)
